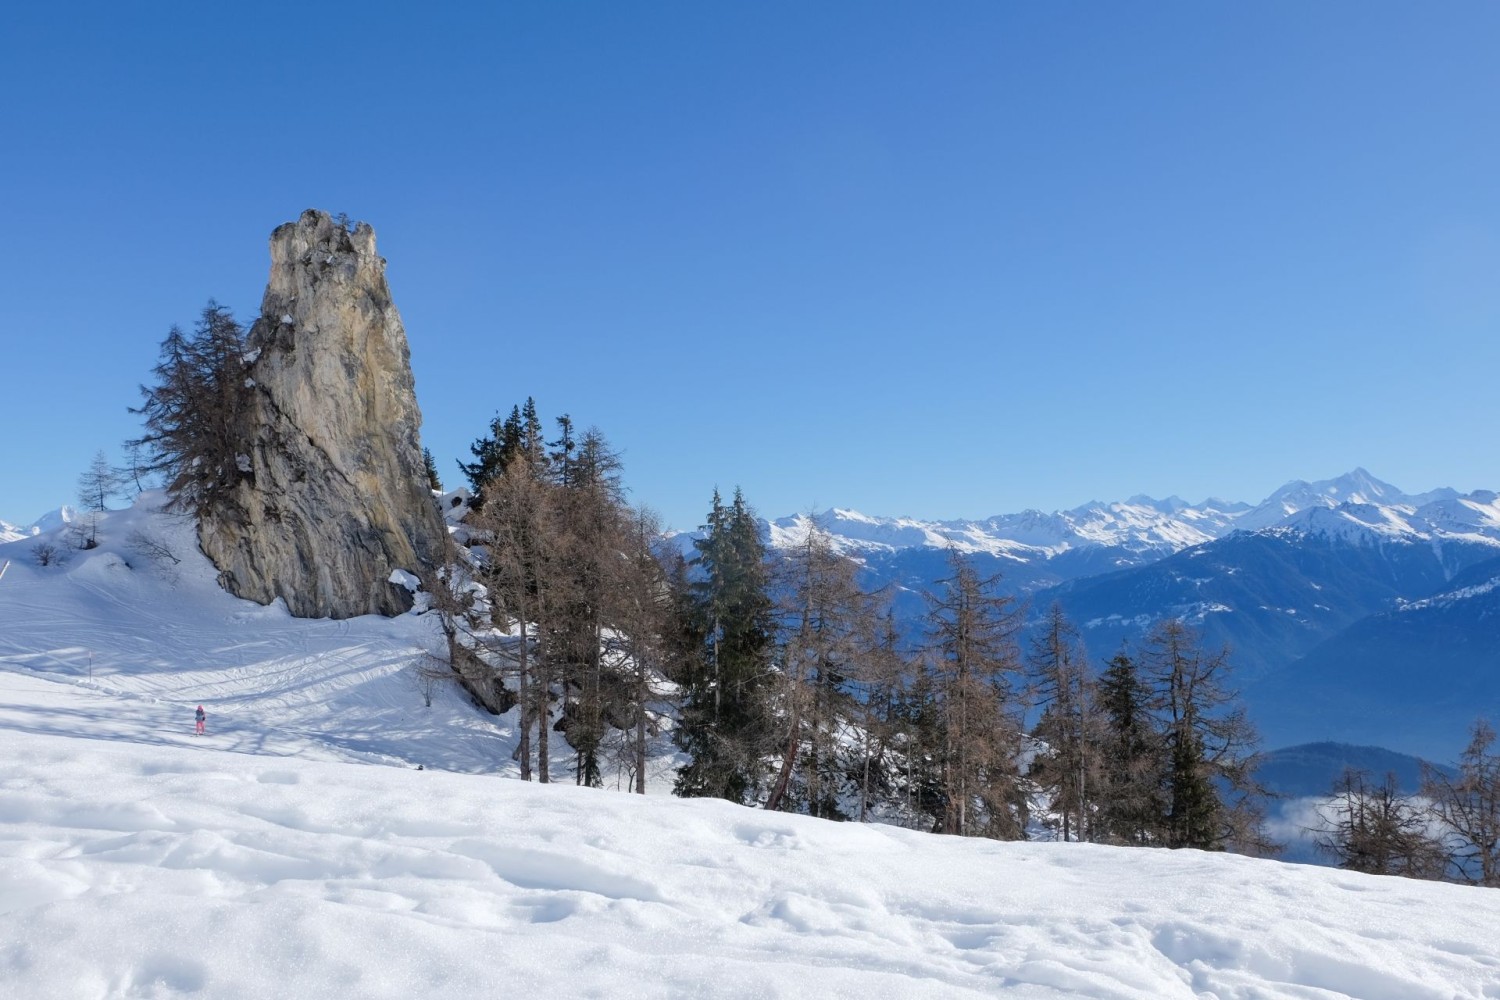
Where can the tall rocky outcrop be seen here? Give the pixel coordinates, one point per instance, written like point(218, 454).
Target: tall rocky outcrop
point(334, 497)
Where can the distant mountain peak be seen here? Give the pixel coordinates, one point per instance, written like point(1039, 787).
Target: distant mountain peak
point(1358, 486)
point(1170, 505)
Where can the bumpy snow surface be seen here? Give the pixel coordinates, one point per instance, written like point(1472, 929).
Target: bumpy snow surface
point(296, 851)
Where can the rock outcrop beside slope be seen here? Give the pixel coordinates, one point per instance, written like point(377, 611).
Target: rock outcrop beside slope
point(335, 497)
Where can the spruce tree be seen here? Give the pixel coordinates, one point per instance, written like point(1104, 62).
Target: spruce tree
point(493, 454)
point(724, 725)
point(1128, 796)
point(529, 435)
point(518, 437)
point(561, 456)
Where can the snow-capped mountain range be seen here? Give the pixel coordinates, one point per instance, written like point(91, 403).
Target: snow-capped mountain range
point(1143, 529)
point(1315, 588)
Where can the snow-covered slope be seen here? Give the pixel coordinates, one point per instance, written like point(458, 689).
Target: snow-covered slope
point(1471, 518)
point(133, 868)
point(157, 637)
point(47, 523)
point(858, 534)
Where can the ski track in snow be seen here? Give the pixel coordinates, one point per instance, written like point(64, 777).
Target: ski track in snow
point(269, 859)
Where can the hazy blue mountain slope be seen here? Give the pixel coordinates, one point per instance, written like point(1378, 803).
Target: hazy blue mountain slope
point(1419, 672)
point(1270, 595)
point(1311, 769)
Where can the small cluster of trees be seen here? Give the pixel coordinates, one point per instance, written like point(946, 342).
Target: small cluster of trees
point(1177, 756)
point(570, 616)
point(97, 485)
point(1155, 750)
point(809, 700)
point(791, 685)
point(1450, 830)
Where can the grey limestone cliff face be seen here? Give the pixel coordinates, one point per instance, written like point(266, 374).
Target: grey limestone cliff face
point(334, 498)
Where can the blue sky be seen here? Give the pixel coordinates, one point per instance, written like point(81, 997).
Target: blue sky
point(932, 259)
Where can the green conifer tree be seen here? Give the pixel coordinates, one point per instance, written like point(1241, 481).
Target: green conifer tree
point(1128, 799)
point(724, 726)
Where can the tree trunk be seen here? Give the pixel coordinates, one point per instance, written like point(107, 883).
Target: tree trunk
point(788, 760)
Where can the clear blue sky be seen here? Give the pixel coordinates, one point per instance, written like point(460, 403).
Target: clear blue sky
point(932, 259)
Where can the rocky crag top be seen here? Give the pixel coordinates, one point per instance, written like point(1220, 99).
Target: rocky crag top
point(334, 498)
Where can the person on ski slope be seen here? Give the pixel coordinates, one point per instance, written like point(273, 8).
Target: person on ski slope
point(202, 717)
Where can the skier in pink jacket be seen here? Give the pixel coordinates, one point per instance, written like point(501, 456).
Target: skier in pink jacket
point(202, 717)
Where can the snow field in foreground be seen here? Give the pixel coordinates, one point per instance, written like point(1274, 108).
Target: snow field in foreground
point(156, 871)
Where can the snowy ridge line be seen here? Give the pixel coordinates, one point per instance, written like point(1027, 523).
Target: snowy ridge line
point(1451, 596)
point(1354, 507)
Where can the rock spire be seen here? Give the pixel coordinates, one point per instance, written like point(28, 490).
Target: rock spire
point(335, 498)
